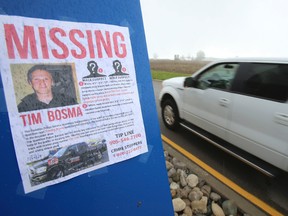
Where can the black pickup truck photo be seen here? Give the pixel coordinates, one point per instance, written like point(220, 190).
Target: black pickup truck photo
point(65, 161)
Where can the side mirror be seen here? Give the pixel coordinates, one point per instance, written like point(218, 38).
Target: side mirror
point(189, 82)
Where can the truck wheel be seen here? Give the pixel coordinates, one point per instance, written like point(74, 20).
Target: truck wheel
point(99, 155)
point(170, 114)
point(58, 173)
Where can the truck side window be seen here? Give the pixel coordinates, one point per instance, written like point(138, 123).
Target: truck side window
point(72, 149)
point(267, 81)
point(219, 77)
point(82, 148)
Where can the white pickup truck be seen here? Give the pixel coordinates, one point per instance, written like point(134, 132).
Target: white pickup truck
point(238, 103)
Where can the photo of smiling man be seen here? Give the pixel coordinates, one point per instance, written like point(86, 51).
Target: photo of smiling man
point(46, 92)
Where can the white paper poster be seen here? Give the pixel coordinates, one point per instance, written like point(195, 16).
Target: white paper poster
point(71, 95)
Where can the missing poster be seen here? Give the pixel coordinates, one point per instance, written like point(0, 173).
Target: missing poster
point(71, 95)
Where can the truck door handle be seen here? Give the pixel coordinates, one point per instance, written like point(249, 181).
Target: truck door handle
point(281, 118)
point(224, 102)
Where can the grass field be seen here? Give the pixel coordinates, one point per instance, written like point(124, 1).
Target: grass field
point(165, 69)
point(162, 75)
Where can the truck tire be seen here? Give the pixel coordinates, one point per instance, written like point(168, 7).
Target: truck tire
point(57, 173)
point(170, 115)
point(99, 155)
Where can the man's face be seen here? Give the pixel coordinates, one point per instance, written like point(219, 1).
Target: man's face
point(41, 82)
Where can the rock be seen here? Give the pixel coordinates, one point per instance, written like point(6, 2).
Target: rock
point(173, 193)
point(206, 190)
point(176, 177)
point(199, 206)
point(187, 201)
point(192, 180)
point(179, 164)
point(171, 172)
point(215, 197)
point(178, 204)
point(195, 195)
point(166, 154)
point(217, 210)
point(197, 189)
point(168, 165)
point(229, 207)
point(192, 195)
point(174, 186)
point(183, 177)
point(185, 192)
point(188, 211)
point(201, 183)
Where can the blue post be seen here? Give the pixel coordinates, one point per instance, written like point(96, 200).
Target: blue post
point(138, 186)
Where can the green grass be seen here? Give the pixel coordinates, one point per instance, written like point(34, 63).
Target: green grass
point(162, 75)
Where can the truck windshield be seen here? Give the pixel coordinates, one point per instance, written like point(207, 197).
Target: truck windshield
point(60, 152)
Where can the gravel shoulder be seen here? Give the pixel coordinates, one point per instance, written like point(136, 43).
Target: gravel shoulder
point(243, 204)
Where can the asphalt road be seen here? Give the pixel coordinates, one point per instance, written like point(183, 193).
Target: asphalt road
point(273, 191)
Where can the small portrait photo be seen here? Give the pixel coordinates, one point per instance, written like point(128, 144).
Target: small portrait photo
point(118, 69)
point(94, 70)
point(43, 86)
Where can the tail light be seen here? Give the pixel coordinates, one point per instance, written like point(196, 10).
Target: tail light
point(52, 161)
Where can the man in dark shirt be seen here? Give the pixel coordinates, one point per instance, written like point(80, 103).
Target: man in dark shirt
point(41, 81)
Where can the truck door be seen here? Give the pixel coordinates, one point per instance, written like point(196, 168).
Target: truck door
point(72, 156)
point(259, 117)
point(208, 103)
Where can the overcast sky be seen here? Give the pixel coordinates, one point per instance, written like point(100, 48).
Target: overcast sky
point(220, 28)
